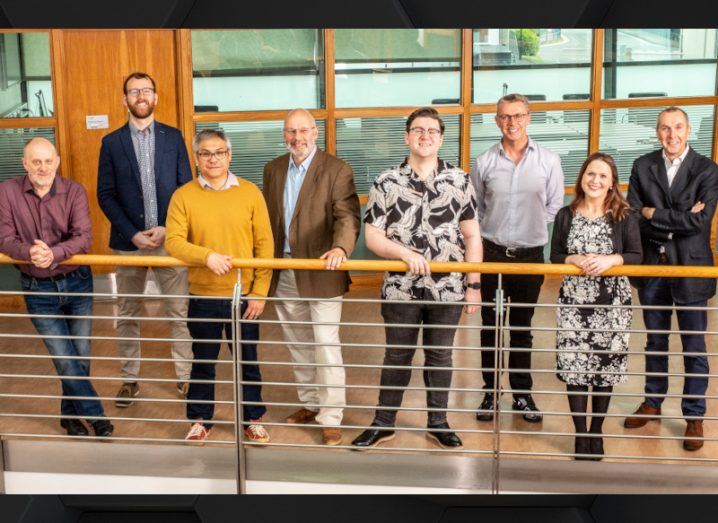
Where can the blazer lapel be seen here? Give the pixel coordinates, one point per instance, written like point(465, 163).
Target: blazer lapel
point(160, 139)
point(126, 140)
point(309, 182)
point(277, 199)
point(658, 171)
point(684, 174)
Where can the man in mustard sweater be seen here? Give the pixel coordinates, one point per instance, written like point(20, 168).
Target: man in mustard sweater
point(210, 221)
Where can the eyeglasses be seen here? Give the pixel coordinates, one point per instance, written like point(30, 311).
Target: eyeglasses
point(518, 118)
point(145, 90)
point(206, 155)
point(299, 132)
point(420, 131)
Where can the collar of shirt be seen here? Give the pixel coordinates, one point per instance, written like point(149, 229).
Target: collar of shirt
point(304, 165)
point(677, 161)
point(58, 186)
point(134, 130)
point(232, 181)
point(531, 145)
point(405, 168)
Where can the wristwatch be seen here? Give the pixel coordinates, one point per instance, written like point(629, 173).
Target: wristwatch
point(476, 285)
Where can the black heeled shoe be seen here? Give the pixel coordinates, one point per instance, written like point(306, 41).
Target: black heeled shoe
point(582, 446)
point(596, 445)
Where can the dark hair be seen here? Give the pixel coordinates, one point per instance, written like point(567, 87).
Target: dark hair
point(425, 112)
point(615, 202)
point(137, 75)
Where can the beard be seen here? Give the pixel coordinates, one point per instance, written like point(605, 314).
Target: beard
point(144, 112)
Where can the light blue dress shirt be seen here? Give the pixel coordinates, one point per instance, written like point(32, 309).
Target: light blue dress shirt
point(295, 179)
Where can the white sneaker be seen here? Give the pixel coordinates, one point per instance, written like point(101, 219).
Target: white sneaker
point(197, 434)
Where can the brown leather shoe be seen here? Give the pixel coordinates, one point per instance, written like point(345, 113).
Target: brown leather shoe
point(302, 416)
point(332, 436)
point(693, 430)
point(644, 409)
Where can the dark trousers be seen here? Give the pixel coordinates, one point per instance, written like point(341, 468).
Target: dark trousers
point(657, 291)
point(203, 350)
point(442, 339)
point(517, 289)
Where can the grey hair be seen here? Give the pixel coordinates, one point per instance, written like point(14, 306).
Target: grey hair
point(672, 109)
point(207, 134)
point(511, 98)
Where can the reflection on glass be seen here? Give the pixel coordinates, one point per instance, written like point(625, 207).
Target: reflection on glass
point(247, 70)
point(563, 132)
point(254, 144)
point(25, 83)
point(659, 62)
point(629, 133)
point(12, 143)
point(549, 64)
point(397, 67)
point(371, 145)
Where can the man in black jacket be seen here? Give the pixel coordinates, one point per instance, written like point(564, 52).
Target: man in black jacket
point(675, 190)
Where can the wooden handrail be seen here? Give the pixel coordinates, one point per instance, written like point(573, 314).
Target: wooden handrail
point(668, 271)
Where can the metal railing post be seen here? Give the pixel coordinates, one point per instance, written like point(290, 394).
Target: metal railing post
point(241, 454)
point(498, 361)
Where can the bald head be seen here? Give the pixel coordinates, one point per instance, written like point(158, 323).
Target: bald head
point(39, 144)
point(301, 115)
point(41, 161)
point(300, 134)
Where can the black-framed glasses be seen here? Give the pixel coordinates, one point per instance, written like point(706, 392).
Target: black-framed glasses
point(145, 90)
point(420, 131)
point(518, 118)
point(206, 155)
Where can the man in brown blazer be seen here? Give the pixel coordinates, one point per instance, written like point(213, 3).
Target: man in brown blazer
point(314, 211)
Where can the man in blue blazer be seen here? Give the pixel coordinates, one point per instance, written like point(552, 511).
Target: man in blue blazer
point(675, 190)
point(141, 165)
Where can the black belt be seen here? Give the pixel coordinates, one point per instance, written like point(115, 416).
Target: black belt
point(513, 252)
point(59, 277)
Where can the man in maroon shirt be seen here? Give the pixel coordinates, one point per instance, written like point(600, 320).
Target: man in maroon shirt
point(44, 220)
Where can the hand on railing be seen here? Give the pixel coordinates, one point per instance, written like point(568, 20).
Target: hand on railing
point(41, 255)
point(219, 264)
point(334, 257)
point(417, 263)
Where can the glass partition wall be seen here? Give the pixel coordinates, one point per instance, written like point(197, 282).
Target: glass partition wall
point(590, 89)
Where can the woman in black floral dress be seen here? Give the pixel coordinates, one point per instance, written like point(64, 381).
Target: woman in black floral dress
point(595, 232)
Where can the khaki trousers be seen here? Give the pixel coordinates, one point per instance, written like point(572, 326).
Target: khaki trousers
point(327, 351)
point(171, 280)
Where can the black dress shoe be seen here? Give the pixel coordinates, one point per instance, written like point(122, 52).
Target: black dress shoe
point(582, 446)
point(486, 409)
point(103, 428)
point(372, 437)
point(596, 445)
point(446, 437)
point(74, 427)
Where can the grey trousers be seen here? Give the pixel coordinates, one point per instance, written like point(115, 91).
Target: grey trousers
point(171, 280)
point(437, 345)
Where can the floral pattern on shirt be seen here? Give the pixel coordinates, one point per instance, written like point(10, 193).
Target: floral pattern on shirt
point(423, 216)
point(592, 329)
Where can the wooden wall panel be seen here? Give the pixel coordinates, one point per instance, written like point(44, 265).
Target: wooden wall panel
point(95, 66)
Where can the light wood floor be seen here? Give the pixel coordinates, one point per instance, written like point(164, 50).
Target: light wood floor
point(545, 381)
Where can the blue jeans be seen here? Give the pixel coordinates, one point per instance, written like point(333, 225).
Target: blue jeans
point(202, 350)
point(657, 291)
point(78, 281)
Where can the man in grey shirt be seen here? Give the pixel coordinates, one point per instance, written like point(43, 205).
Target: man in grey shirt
point(519, 190)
